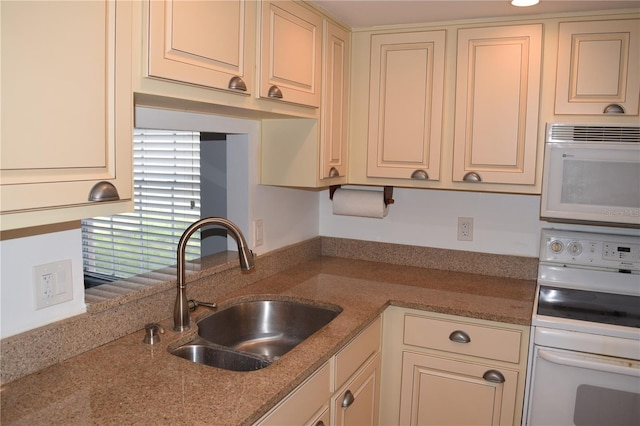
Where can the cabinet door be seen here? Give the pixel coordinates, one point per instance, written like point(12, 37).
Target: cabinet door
point(67, 109)
point(333, 137)
point(306, 403)
point(405, 105)
point(442, 391)
point(291, 49)
point(201, 42)
point(598, 67)
point(497, 97)
point(357, 402)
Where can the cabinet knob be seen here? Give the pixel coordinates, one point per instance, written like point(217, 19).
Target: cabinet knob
point(472, 177)
point(333, 172)
point(420, 174)
point(493, 376)
point(459, 336)
point(613, 109)
point(274, 92)
point(348, 399)
point(320, 423)
point(236, 83)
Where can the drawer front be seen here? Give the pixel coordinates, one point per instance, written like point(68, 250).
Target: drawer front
point(483, 341)
point(303, 402)
point(349, 359)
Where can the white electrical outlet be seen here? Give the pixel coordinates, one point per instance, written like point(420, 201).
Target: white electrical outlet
point(465, 229)
point(52, 283)
point(258, 235)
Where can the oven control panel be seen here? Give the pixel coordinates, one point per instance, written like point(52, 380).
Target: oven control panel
point(590, 249)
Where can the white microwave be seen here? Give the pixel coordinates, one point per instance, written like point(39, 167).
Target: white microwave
point(592, 175)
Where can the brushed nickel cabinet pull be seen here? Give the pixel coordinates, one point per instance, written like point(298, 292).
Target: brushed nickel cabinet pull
point(493, 376)
point(613, 109)
point(236, 83)
point(459, 336)
point(274, 92)
point(104, 191)
point(472, 177)
point(348, 399)
point(420, 174)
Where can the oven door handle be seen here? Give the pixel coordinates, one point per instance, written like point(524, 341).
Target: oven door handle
point(556, 358)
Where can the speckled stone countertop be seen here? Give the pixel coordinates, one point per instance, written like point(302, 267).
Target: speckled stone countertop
point(128, 382)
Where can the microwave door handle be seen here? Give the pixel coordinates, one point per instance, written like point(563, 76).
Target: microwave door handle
point(591, 365)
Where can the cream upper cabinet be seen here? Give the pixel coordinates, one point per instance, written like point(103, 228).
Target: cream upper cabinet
point(290, 53)
point(443, 369)
point(67, 110)
point(334, 116)
point(405, 105)
point(598, 67)
point(202, 42)
point(496, 104)
point(312, 153)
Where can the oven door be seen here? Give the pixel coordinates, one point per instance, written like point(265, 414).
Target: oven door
point(575, 388)
point(592, 182)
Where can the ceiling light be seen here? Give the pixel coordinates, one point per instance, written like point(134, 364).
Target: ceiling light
point(524, 3)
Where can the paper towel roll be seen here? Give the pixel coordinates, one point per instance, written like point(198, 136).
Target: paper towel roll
point(354, 202)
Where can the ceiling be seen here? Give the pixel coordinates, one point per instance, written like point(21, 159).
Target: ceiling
point(368, 13)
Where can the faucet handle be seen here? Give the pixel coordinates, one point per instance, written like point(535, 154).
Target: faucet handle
point(193, 304)
point(152, 331)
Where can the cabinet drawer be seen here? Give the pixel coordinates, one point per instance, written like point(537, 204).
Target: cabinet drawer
point(486, 342)
point(303, 402)
point(349, 359)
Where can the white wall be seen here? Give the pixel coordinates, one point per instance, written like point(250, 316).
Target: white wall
point(502, 223)
point(17, 257)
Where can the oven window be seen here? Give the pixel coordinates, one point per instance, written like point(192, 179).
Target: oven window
point(596, 406)
point(591, 306)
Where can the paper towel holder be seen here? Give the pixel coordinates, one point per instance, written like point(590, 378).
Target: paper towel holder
point(387, 193)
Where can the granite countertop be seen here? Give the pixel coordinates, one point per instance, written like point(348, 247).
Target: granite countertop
point(128, 382)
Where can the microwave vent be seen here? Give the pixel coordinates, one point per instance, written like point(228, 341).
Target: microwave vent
point(591, 133)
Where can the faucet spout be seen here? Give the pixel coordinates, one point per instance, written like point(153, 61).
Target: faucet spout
point(181, 317)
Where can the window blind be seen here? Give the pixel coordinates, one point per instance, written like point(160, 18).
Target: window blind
point(167, 200)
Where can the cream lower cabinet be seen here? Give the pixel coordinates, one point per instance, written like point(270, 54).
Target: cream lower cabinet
point(405, 105)
point(442, 369)
point(290, 53)
point(306, 405)
point(206, 43)
point(497, 102)
point(356, 403)
point(67, 110)
point(598, 67)
point(344, 391)
point(444, 391)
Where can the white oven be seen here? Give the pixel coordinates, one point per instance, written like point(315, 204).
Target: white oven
point(584, 365)
point(592, 174)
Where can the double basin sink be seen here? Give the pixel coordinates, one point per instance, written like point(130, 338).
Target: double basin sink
point(251, 335)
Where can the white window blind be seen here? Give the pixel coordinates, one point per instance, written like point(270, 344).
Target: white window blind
point(167, 200)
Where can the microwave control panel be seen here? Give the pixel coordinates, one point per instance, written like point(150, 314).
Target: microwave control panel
point(590, 249)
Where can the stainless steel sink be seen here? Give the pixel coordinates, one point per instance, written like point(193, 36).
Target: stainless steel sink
point(251, 335)
point(204, 353)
